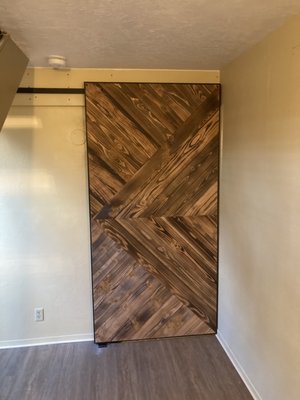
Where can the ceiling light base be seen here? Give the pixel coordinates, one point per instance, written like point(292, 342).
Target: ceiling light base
point(57, 62)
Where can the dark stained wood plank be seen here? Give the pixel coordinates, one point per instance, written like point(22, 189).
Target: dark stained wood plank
point(190, 368)
point(103, 183)
point(161, 255)
point(185, 183)
point(131, 303)
point(117, 160)
point(183, 96)
point(193, 94)
point(157, 165)
point(196, 239)
point(111, 124)
point(137, 111)
point(153, 167)
point(163, 109)
point(114, 157)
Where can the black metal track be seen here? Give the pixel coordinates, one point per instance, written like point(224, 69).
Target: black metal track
point(51, 90)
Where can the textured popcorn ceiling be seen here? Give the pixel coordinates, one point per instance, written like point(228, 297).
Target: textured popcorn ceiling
point(189, 34)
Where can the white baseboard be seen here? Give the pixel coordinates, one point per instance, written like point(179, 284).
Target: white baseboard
point(9, 344)
point(238, 367)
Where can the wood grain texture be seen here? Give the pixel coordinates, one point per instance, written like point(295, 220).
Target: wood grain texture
point(190, 368)
point(121, 285)
point(153, 168)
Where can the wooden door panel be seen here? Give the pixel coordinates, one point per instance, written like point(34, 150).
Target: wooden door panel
point(132, 303)
point(173, 179)
point(153, 171)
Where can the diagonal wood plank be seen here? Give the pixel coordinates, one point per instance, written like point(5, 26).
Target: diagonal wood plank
point(184, 270)
point(153, 176)
point(194, 136)
point(186, 183)
point(158, 122)
point(148, 309)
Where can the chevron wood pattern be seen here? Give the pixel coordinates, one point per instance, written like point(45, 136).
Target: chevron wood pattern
point(153, 178)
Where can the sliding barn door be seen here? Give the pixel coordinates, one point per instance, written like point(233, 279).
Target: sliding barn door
point(153, 182)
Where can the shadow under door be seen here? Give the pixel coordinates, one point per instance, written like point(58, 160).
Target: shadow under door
point(153, 157)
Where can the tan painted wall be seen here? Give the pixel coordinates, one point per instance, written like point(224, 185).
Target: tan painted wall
point(44, 227)
point(259, 314)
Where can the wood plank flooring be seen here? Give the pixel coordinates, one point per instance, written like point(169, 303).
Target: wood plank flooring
point(191, 368)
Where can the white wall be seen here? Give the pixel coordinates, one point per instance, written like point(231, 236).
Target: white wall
point(44, 227)
point(259, 299)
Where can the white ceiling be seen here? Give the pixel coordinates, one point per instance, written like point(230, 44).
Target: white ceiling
point(189, 34)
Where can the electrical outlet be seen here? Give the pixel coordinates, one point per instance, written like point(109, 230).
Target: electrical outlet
point(39, 314)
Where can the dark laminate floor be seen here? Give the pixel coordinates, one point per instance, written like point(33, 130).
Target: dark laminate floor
point(192, 368)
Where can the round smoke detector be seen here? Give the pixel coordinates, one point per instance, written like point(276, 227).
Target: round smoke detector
point(57, 62)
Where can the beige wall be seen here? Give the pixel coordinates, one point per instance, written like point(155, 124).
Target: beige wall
point(44, 227)
point(259, 301)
